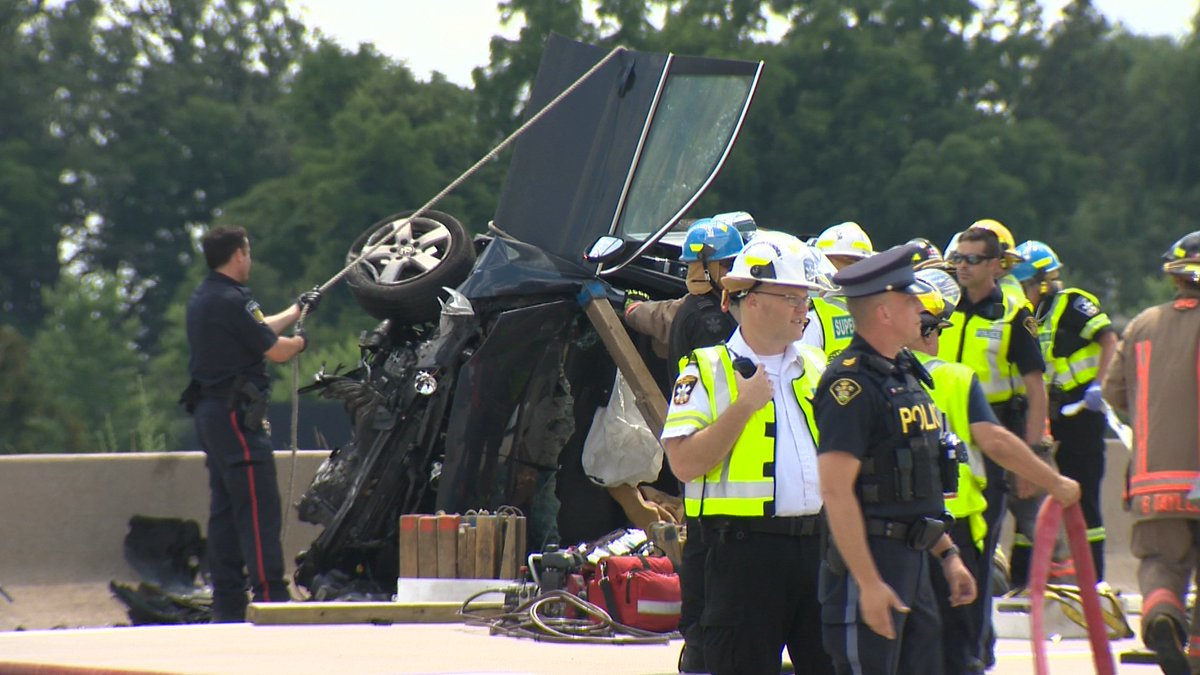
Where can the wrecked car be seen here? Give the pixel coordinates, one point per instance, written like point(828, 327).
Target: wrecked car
point(477, 388)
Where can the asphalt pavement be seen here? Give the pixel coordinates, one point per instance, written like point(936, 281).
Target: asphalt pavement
point(234, 649)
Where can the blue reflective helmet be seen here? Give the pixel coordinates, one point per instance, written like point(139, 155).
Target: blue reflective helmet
point(715, 239)
point(1039, 259)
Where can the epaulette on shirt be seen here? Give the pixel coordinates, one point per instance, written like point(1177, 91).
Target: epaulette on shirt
point(852, 363)
point(843, 362)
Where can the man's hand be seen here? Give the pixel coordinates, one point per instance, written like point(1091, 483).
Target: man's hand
point(308, 300)
point(634, 297)
point(877, 602)
point(755, 391)
point(298, 332)
point(1092, 398)
point(960, 581)
point(1066, 492)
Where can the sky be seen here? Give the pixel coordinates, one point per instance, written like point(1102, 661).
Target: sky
point(451, 36)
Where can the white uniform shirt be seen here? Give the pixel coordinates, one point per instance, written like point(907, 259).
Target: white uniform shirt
point(797, 490)
point(813, 335)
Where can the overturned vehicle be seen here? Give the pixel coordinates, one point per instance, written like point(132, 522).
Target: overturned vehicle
point(478, 387)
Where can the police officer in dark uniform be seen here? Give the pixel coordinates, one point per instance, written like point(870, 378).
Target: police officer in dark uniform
point(230, 341)
point(882, 479)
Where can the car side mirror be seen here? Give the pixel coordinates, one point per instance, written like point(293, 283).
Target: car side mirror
point(605, 250)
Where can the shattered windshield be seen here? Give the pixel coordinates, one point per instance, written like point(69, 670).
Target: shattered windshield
point(692, 130)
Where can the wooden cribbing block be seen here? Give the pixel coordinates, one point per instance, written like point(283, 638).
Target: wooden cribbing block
point(485, 547)
point(466, 551)
point(409, 556)
point(447, 546)
point(522, 533)
point(427, 559)
point(510, 556)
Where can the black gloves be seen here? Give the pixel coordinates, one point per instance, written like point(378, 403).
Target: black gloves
point(298, 331)
point(309, 300)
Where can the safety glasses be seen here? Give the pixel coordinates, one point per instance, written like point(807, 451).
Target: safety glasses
point(793, 300)
point(928, 329)
point(969, 258)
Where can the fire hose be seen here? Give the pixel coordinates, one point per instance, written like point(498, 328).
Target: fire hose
point(1049, 517)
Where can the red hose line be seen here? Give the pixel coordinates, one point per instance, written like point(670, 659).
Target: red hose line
point(1049, 517)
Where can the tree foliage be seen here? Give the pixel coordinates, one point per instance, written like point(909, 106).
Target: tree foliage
point(129, 126)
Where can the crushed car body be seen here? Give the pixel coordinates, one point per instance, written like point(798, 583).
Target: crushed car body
point(486, 401)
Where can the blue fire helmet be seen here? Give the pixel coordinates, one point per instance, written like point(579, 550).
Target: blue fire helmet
point(711, 239)
point(1039, 261)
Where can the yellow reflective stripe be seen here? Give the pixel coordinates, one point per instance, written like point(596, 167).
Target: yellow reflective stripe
point(740, 490)
point(686, 420)
point(1021, 540)
point(1095, 534)
point(1094, 325)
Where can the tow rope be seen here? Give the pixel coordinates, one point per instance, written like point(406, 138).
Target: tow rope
point(295, 426)
point(1049, 517)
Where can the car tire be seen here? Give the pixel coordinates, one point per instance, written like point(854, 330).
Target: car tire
point(403, 279)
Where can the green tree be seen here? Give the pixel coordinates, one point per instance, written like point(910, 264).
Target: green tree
point(87, 358)
point(501, 86)
point(171, 118)
point(38, 46)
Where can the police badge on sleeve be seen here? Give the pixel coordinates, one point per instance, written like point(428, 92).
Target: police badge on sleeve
point(255, 311)
point(1086, 307)
point(844, 390)
point(683, 389)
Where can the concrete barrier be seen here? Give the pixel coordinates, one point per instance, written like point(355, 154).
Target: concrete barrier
point(63, 518)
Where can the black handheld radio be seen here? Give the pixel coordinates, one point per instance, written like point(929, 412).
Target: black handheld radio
point(745, 367)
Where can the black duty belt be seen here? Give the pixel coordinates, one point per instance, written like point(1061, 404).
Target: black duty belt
point(888, 529)
point(787, 526)
point(920, 535)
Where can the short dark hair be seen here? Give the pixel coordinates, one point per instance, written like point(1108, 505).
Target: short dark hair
point(221, 242)
point(991, 243)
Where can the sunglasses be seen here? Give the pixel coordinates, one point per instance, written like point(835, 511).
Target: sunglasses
point(793, 300)
point(970, 258)
point(930, 329)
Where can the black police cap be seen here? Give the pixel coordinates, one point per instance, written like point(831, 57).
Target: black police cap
point(890, 270)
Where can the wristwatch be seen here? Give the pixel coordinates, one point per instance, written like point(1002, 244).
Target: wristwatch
point(951, 551)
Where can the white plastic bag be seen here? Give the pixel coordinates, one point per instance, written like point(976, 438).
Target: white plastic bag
point(620, 449)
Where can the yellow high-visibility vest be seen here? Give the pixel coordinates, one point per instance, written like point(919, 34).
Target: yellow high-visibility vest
point(837, 326)
point(982, 345)
point(1080, 367)
point(744, 483)
point(951, 393)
